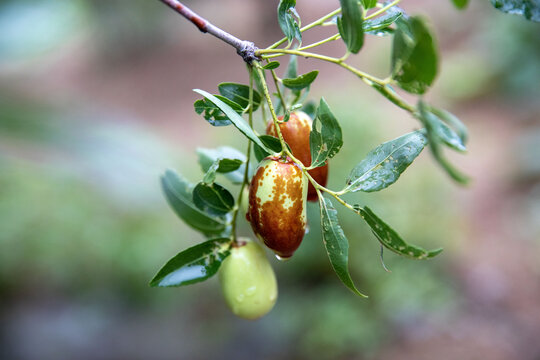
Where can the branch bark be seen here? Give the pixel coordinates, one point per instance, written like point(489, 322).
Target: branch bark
point(246, 49)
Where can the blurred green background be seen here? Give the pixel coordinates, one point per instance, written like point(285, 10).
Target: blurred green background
point(96, 102)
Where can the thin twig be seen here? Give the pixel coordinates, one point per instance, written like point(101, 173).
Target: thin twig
point(244, 48)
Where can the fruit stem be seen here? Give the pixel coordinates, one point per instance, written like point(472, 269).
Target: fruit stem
point(280, 95)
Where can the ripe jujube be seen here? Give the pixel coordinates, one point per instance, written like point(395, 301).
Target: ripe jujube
point(248, 281)
point(296, 133)
point(277, 204)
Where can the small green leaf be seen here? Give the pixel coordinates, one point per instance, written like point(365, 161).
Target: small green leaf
point(231, 162)
point(530, 9)
point(288, 20)
point(350, 25)
point(453, 122)
point(325, 138)
point(336, 244)
point(239, 94)
point(213, 199)
point(435, 135)
point(302, 81)
point(368, 4)
point(271, 142)
point(193, 265)
point(310, 108)
point(391, 240)
point(213, 114)
point(378, 24)
point(414, 55)
point(271, 65)
point(236, 119)
point(384, 164)
point(179, 196)
point(460, 4)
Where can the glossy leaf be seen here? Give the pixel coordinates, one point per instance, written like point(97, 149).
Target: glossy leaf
point(414, 55)
point(239, 94)
point(271, 142)
point(179, 195)
point(301, 81)
point(391, 240)
point(530, 9)
point(230, 162)
point(287, 20)
point(213, 199)
point(325, 138)
point(236, 119)
point(384, 164)
point(460, 4)
point(213, 114)
point(271, 65)
point(193, 265)
point(433, 133)
point(336, 244)
point(350, 25)
point(453, 122)
point(376, 25)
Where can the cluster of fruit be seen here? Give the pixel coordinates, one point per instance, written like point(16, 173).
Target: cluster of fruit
point(277, 212)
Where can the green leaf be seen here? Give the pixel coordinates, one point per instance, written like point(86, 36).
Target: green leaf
point(179, 196)
point(271, 142)
point(236, 119)
point(193, 265)
point(271, 65)
point(239, 94)
point(287, 20)
point(414, 55)
point(391, 240)
point(325, 138)
point(336, 244)
point(435, 136)
point(302, 81)
point(227, 158)
point(453, 122)
point(460, 4)
point(530, 9)
point(368, 4)
point(213, 114)
point(378, 24)
point(213, 199)
point(310, 108)
point(384, 164)
point(350, 25)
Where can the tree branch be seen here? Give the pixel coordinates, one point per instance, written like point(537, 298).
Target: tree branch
point(246, 49)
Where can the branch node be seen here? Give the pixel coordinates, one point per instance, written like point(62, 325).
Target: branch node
point(247, 52)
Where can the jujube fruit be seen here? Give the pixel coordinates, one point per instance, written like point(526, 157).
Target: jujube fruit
point(296, 133)
point(248, 281)
point(277, 204)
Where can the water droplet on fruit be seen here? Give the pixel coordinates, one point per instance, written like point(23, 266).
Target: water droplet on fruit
point(307, 229)
point(240, 298)
point(280, 258)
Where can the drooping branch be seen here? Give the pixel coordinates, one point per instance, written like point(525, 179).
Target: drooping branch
point(246, 49)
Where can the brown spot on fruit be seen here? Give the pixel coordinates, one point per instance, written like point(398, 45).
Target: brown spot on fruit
point(277, 210)
point(296, 133)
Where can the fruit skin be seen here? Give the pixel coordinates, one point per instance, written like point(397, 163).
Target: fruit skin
point(277, 205)
point(248, 281)
point(296, 133)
